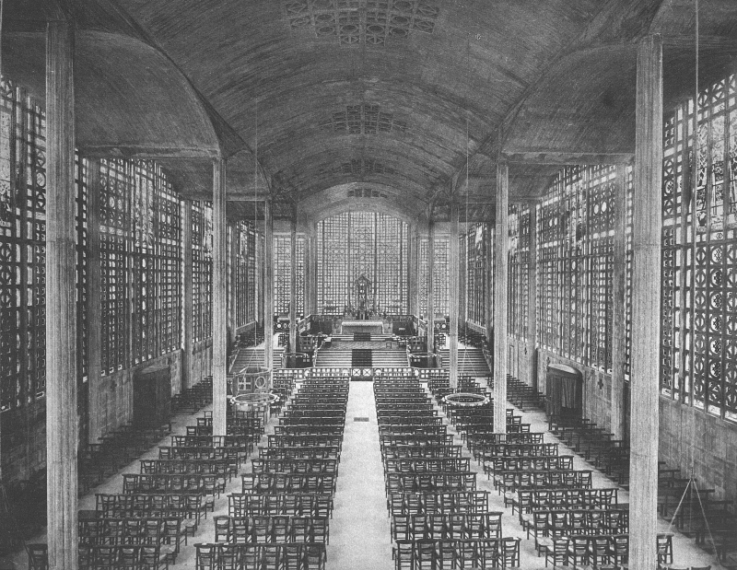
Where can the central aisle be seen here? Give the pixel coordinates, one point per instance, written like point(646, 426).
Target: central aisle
point(359, 531)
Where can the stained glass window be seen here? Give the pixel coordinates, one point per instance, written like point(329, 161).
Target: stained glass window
point(477, 247)
point(392, 262)
point(23, 250)
point(244, 273)
point(201, 217)
point(575, 265)
point(332, 264)
point(141, 263)
point(440, 275)
point(518, 269)
point(283, 274)
point(368, 244)
point(699, 267)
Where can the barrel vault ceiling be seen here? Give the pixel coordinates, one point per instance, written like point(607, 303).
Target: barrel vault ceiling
point(401, 105)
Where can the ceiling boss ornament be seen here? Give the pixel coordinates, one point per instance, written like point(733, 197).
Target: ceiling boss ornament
point(369, 22)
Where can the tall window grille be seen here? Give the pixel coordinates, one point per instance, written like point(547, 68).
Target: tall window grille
point(575, 265)
point(369, 244)
point(244, 273)
point(332, 264)
point(392, 262)
point(23, 250)
point(140, 263)
point(699, 259)
point(440, 276)
point(115, 296)
point(518, 269)
point(283, 274)
point(477, 244)
point(201, 271)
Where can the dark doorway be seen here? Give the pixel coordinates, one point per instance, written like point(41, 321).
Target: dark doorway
point(564, 389)
point(152, 396)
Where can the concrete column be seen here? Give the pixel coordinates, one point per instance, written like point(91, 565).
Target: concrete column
point(268, 285)
point(293, 284)
point(454, 290)
point(414, 271)
point(187, 300)
point(501, 237)
point(619, 317)
point(463, 276)
point(219, 300)
point(430, 286)
point(532, 301)
point(61, 310)
point(94, 302)
point(647, 242)
point(232, 279)
point(310, 273)
point(489, 290)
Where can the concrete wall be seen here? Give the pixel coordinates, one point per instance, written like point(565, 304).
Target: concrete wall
point(597, 387)
point(23, 430)
point(200, 362)
point(111, 400)
point(23, 441)
point(690, 437)
point(521, 361)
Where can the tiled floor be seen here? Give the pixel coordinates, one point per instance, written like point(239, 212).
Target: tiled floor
point(359, 530)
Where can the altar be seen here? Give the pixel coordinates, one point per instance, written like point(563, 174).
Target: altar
point(371, 327)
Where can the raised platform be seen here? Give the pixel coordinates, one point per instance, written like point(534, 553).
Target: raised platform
point(371, 327)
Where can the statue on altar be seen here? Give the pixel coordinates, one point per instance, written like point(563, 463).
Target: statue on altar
point(364, 310)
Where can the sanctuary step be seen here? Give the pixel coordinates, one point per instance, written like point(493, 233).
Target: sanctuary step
point(253, 358)
point(471, 362)
point(362, 337)
point(333, 358)
point(389, 358)
point(361, 357)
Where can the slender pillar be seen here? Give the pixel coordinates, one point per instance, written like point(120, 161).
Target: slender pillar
point(61, 309)
point(501, 238)
point(187, 301)
point(310, 273)
point(219, 300)
point(293, 284)
point(489, 289)
point(647, 242)
point(619, 324)
point(532, 300)
point(233, 252)
point(430, 286)
point(94, 302)
point(454, 290)
point(414, 267)
point(462, 276)
point(268, 285)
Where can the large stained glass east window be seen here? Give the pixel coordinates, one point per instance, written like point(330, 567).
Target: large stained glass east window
point(362, 244)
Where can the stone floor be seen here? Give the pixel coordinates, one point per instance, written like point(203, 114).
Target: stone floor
point(359, 530)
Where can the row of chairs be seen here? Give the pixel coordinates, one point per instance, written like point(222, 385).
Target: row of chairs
point(275, 504)
point(415, 503)
point(442, 525)
point(287, 556)
point(271, 529)
point(482, 554)
point(193, 398)
point(222, 467)
point(281, 517)
point(445, 526)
